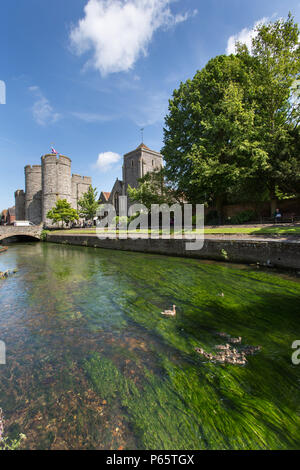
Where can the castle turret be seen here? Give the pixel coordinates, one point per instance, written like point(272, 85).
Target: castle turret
point(20, 204)
point(33, 196)
point(56, 182)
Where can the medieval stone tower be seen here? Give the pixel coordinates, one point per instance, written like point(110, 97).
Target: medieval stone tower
point(20, 204)
point(139, 162)
point(45, 184)
point(136, 164)
point(33, 194)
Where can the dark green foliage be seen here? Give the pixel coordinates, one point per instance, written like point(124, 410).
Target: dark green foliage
point(241, 217)
point(233, 130)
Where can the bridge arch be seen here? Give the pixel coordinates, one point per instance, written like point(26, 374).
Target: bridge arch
point(20, 237)
point(32, 232)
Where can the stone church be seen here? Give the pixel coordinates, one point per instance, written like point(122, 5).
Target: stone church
point(136, 164)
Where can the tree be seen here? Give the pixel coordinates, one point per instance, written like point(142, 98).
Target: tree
point(233, 129)
point(275, 71)
point(88, 204)
point(62, 212)
point(152, 189)
point(210, 147)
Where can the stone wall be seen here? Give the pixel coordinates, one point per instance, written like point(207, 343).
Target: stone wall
point(277, 253)
point(80, 185)
point(286, 206)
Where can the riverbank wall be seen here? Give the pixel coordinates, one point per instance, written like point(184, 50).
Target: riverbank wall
point(273, 253)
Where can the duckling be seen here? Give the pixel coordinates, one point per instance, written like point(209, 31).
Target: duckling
point(236, 340)
point(224, 335)
point(170, 313)
point(221, 357)
point(199, 350)
point(241, 362)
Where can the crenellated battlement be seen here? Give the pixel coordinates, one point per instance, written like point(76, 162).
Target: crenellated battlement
point(33, 168)
point(56, 159)
point(19, 192)
point(81, 179)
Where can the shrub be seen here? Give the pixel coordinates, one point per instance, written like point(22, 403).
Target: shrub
point(241, 217)
point(44, 235)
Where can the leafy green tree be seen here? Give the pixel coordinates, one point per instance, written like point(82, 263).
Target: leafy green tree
point(88, 204)
point(210, 146)
point(62, 212)
point(152, 189)
point(233, 129)
point(275, 72)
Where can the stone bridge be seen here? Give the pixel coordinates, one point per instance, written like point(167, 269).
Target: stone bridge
point(7, 231)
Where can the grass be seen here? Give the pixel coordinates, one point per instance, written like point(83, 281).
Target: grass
point(246, 230)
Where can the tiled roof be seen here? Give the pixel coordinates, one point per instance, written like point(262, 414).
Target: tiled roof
point(142, 146)
point(106, 195)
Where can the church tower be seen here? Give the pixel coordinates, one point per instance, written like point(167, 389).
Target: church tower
point(137, 163)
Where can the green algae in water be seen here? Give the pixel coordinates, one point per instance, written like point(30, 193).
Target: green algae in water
point(155, 411)
point(84, 325)
point(192, 410)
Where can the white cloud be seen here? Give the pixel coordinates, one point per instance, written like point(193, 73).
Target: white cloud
point(245, 37)
point(106, 160)
point(42, 110)
point(118, 32)
point(93, 117)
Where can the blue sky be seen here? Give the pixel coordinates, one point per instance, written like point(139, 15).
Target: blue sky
point(86, 75)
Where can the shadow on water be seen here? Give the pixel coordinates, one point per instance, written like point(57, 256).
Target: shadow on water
point(92, 364)
point(19, 239)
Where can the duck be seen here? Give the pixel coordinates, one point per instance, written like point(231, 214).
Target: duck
point(170, 313)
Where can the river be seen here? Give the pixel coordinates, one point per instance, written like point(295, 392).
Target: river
point(92, 363)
